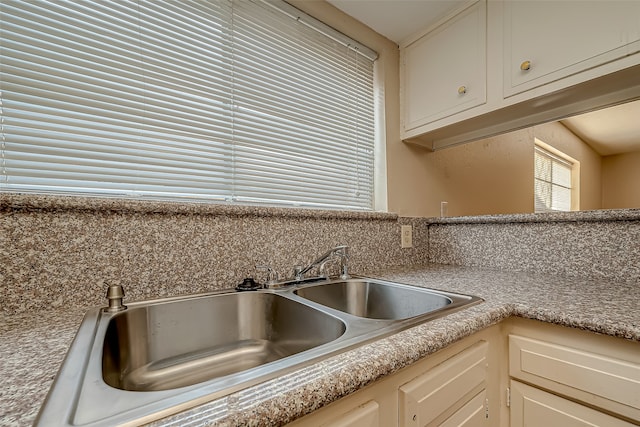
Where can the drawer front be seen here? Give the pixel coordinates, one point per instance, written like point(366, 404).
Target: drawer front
point(445, 389)
point(602, 380)
point(533, 407)
point(366, 415)
point(472, 414)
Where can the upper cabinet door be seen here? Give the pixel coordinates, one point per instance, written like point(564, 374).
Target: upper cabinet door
point(545, 41)
point(444, 71)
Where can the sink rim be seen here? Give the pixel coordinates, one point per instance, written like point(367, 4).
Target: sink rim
point(455, 300)
point(84, 390)
point(144, 363)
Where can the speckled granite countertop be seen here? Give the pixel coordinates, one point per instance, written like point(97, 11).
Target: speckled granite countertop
point(573, 216)
point(32, 346)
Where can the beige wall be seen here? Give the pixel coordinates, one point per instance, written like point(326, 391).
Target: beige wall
point(494, 175)
point(561, 138)
point(621, 181)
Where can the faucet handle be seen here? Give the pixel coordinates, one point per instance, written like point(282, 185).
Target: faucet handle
point(322, 270)
point(272, 275)
point(343, 252)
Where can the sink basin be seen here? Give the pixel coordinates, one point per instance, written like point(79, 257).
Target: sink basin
point(156, 358)
point(165, 346)
point(375, 299)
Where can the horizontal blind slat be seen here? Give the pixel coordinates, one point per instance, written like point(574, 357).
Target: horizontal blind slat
point(223, 100)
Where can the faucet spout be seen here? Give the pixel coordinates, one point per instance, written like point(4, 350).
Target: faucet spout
point(341, 251)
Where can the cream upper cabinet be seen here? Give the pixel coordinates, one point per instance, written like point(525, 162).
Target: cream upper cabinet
point(500, 65)
point(545, 41)
point(444, 71)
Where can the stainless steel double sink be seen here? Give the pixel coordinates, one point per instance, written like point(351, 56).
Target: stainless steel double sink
point(160, 357)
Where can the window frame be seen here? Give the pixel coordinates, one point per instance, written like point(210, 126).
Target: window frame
point(559, 157)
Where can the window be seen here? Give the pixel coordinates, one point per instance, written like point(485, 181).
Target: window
point(555, 179)
point(235, 101)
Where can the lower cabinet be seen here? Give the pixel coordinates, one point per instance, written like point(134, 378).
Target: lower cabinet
point(573, 377)
point(451, 394)
point(366, 415)
point(517, 373)
point(533, 407)
point(453, 387)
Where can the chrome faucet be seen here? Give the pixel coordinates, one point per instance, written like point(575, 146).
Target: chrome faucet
point(339, 251)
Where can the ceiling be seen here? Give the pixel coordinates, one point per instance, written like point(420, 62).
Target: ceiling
point(611, 131)
point(397, 19)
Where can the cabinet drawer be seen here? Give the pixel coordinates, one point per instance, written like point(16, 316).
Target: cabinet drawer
point(598, 379)
point(366, 415)
point(472, 414)
point(439, 393)
point(533, 407)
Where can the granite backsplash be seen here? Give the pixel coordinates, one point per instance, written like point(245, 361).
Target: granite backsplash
point(59, 251)
point(603, 244)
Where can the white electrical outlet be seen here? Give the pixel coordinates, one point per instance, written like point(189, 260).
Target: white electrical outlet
point(406, 232)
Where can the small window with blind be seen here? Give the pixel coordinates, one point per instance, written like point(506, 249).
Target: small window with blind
point(234, 101)
point(555, 179)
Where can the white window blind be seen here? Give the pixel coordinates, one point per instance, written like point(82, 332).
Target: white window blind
point(237, 101)
point(552, 182)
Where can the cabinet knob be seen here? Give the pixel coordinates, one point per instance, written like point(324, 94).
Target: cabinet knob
point(462, 90)
point(525, 66)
